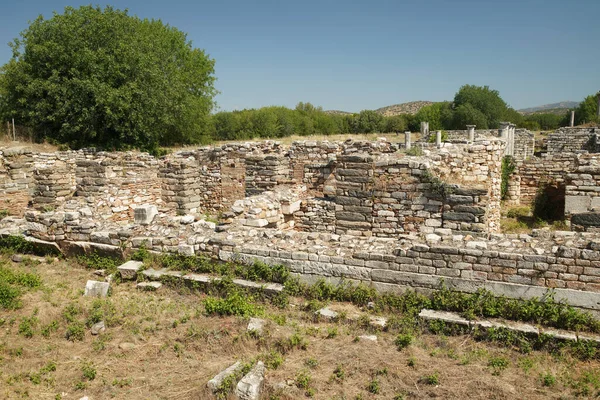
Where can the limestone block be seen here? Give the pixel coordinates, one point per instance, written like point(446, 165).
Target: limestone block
point(258, 223)
point(250, 386)
point(149, 286)
point(144, 215)
point(577, 204)
point(185, 250)
point(215, 382)
point(95, 288)
point(291, 208)
point(129, 269)
point(256, 325)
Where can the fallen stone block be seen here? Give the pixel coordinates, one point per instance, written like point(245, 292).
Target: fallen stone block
point(215, 382)
point(250, 386)
point(130, 269)
point(95, 288)
point(370, 338)
point(445, 316)
point(326, 313)
point(378, 322)
point(144, 215)
point(256, 325)
point(149, 286)
point(98, 328)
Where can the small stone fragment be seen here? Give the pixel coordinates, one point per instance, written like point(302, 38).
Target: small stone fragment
point(149, 286)
point(256, 325)
point(371, 338)
point(95, 288)
point(327, 313)
point(98, 328)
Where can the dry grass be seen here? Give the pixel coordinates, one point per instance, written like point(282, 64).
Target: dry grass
point(177, 349)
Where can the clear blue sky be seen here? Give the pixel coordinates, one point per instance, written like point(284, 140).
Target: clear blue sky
point(353, 55)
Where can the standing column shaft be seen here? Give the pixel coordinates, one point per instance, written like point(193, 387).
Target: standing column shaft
point(438, 139)
point(572, 119)
point(407, 141)
point(471, 129)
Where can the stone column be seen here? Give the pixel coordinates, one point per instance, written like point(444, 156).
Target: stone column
point(503, 131)
point(407, 142)
point(598, 97)
point(572, 119)
point(424, 128)
point(471, 129)
point(438, 139)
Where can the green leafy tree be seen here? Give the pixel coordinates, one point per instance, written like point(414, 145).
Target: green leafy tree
point(396, 123)
point(484, 99)
point(369, 121)
point(93, 76)
point(439, 116)
point(466, 114)
point(587, 111)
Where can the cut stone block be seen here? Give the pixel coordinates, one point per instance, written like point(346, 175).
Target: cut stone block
point(129, 269)
point(291, 208)
point(256, 325)
point(370, 338)
point(98, 328)
point(95, 288)
point(145, 214)
point(327, 313)
point(149, 286)
point(378, 322)
point(258, 223)
point(250, 386)
point(445, 316)
point(215, 382)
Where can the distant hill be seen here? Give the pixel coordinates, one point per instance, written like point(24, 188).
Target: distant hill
point(411, 108)
point(554, 108)
point(337, 112)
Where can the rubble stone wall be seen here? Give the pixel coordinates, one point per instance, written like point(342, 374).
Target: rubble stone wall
point(570, 140)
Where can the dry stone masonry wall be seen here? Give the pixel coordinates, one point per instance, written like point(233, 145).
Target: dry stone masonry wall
point(363, 211)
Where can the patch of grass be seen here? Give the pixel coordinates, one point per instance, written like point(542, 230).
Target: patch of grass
point(433, 379)
point(273, 359)
point(548, 379)
point(88, 371)
point(403, 341)
point(234, 304)
point(311, 362)
point(27, 326)
point(373, 386)
point(498, 364)
point(75, 331)
point(96, 261)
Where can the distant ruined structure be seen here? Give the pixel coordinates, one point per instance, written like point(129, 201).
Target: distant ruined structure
point(357, 210)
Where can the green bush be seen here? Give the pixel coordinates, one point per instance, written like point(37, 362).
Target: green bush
point(508, 168)
point(234, 304)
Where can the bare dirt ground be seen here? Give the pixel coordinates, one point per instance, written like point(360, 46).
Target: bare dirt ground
point(161, 345)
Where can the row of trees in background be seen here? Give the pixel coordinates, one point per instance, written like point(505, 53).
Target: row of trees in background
point(472, 105)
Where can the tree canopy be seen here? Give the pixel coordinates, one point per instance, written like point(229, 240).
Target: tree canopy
point(93, 76)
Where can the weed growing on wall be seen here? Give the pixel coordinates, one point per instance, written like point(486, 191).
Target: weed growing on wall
point(508, 168)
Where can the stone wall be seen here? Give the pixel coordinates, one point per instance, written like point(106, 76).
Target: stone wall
point(550, 169)
point(16, 180)
point(570, 140)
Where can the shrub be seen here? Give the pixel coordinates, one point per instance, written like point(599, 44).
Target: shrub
point(75, 331)
point(508, 167)
point(403, 341)
point(233, 304)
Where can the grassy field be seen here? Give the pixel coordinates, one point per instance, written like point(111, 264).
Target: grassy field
point(164, 345)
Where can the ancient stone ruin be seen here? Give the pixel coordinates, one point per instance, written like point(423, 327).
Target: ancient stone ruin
point(419, 214)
